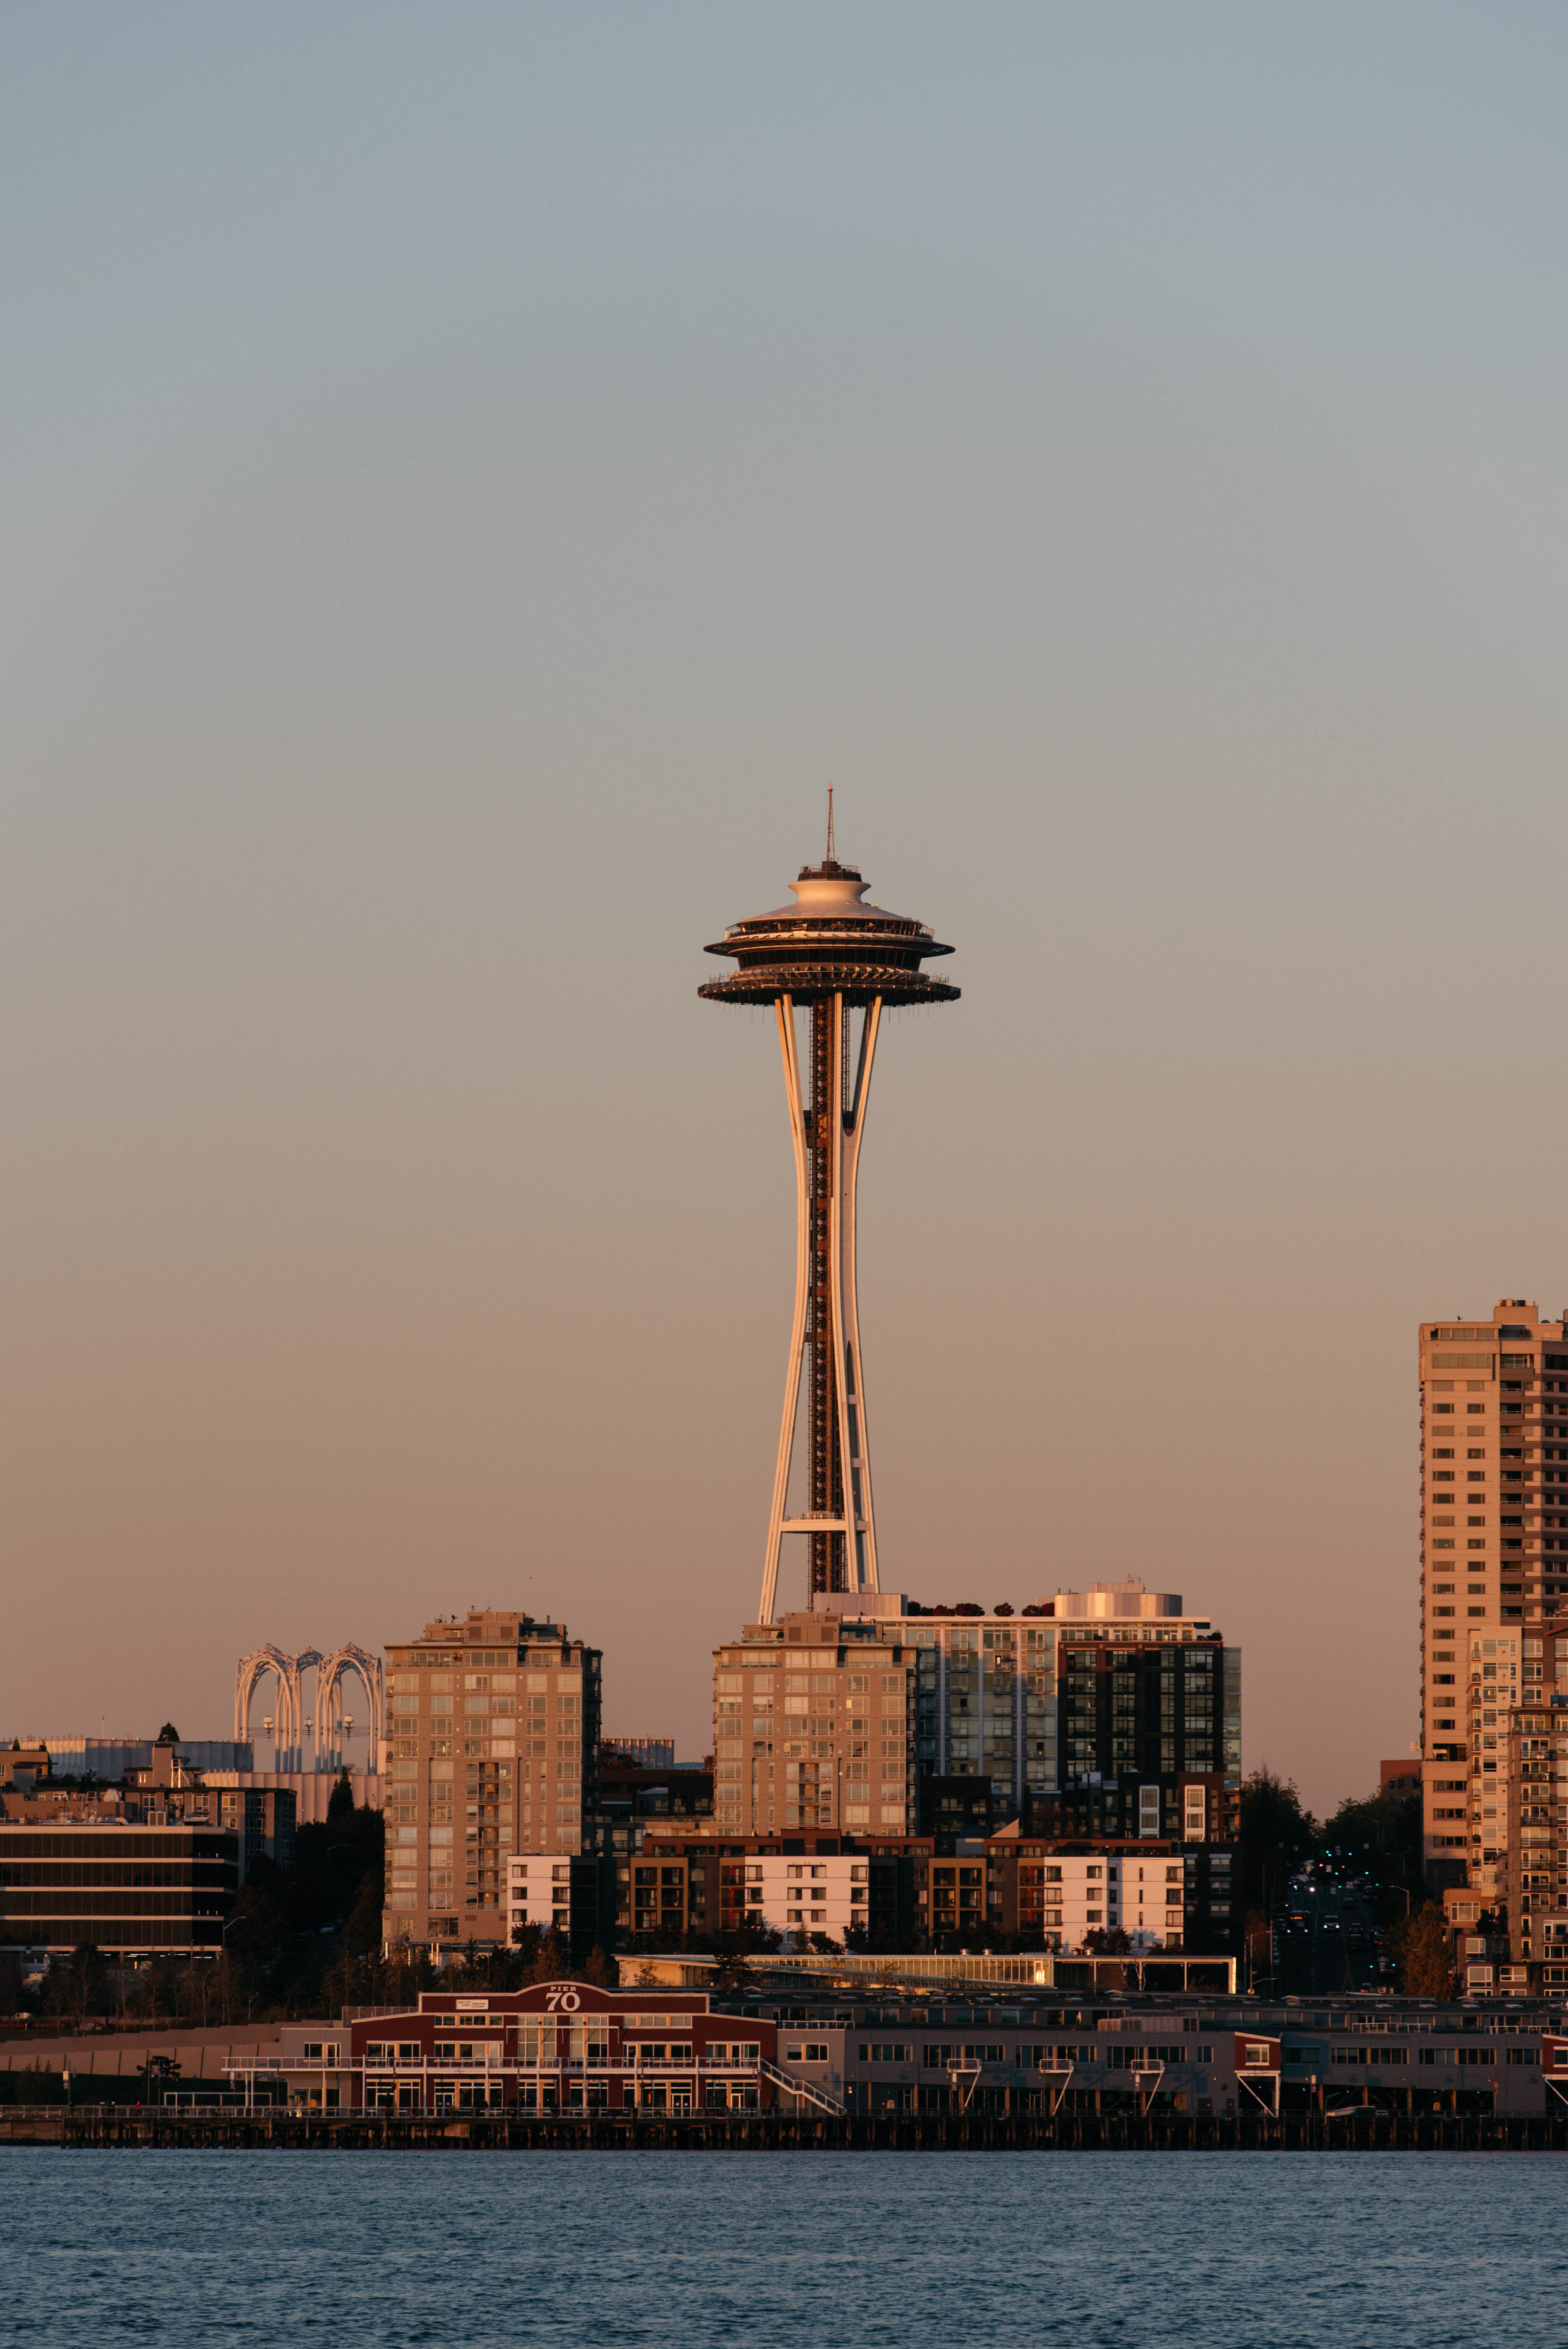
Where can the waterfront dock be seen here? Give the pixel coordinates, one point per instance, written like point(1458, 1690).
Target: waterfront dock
point(1361, 2128)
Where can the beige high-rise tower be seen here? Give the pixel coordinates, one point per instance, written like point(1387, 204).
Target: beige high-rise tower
point(493, 1748)
point(1494, 1572)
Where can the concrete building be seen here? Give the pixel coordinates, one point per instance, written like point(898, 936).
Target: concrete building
point(138, 1760)
point(261, 1823)
point(310, 1790)
point(1495, 1571)
point(1199, 2056)
point(565, 2047)
point(573, 1897)
point(795, 1886)
point(132, 1888)
point(202, 1761)
point(24, 1765)
point(1104, 1711)
point(1533, 1862)
point(493, 1738)
point(632, 1800)
point(909, 1893)
point(813, 1725)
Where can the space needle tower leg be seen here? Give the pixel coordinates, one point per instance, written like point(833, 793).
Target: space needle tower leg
point(839, 1339)
point(788, 1047)
point(861, 1547)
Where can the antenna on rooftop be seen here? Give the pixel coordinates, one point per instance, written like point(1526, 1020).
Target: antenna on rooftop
point(829, 856)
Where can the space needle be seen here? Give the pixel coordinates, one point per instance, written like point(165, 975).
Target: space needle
point(830, 954)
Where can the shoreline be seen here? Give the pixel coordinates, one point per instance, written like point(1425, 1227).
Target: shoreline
point(1366, 2128)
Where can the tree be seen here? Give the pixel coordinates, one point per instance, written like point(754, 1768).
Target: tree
point(1257, 1941)
point(93, 1991)
point(1425, 1968)
point(362, 1927)
point(11, 1984)
point(734, 1971)
point(1106, 1942)
point(553, 1962)
point(1379, 1834)
point(167, 1735)
point(340, 1802)
point(1277, 1835)
point(159, 2072)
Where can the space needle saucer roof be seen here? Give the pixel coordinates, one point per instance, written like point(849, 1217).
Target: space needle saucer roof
point(830, 942)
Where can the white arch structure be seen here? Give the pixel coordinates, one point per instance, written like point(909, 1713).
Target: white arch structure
point(289, 1717)
point(331, 1672)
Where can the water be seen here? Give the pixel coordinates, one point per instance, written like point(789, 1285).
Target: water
point(918, 2251)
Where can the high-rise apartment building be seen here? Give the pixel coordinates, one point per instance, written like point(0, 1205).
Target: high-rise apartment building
point(1495, 1569)
point(492, 1749)
point(1099, 1711)
point(813, 1724)
point(1533, 1868)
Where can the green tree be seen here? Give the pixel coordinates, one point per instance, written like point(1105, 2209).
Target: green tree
point(362, 1926)
point(526, 1939)
point(1277, 1835)
point(1379, 1835)
point(1426, 1966)
point(159, 2072)
point(734, 1971)
point(340, 1804)
point(553, 1962)
point(11, 1983)
point(93, 1991)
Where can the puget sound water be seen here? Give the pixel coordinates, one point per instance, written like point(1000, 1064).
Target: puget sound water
point(918, 2251)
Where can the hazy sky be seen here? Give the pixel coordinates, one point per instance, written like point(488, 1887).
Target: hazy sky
point(471, 476)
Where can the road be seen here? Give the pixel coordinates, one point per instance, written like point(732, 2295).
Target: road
point(1326, 1938)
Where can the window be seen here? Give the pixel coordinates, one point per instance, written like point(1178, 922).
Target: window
point(810, 2051)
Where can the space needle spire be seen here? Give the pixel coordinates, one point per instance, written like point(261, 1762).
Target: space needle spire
point(829, 955)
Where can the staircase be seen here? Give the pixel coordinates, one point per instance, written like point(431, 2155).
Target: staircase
point(807, 2088)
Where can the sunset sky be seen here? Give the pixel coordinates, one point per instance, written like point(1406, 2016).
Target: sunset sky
point(472, 476)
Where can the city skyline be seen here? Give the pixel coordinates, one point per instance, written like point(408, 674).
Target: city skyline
point(463, 515)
